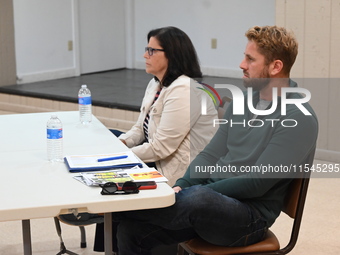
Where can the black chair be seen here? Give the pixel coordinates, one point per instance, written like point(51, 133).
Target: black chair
point(221, 103)
point(293, 207)
point(63, 249)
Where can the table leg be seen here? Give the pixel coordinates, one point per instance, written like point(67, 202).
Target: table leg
point(26, 234)
point(108, 233)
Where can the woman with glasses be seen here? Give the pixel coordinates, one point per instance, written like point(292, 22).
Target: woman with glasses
point(171, 129)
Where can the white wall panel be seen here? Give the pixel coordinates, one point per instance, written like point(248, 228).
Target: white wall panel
point(42, 32)
point(202, 20)
point(316, 24)
point(334, 72)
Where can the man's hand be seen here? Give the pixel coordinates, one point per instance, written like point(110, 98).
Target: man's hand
point(177, 189)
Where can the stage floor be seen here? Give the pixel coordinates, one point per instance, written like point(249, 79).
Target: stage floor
point(121, 89)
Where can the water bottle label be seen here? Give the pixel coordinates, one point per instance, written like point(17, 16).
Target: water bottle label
point(54, 133)
point(84, 100)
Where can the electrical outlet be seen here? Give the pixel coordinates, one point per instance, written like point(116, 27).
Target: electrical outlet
point(214, 43)
point(70, 45)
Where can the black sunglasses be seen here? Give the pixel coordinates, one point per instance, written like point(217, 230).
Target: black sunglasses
point(111, 188)
point(152, 50)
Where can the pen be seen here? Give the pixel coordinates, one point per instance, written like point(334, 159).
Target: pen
point(112, 158)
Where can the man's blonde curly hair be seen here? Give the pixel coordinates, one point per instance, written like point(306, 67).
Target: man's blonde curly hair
point(275, 43)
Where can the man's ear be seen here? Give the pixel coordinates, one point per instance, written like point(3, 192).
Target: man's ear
point(276, 67)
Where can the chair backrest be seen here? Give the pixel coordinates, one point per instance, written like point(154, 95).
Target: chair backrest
point(292, 198)
point(298, 189)
point(295, 201)
point(212, 93)
point(221, 104)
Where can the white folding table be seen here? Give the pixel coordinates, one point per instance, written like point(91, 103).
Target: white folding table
point(32, 187)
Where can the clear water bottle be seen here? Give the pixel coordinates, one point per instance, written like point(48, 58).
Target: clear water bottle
point(85, 104)
point(54, 139)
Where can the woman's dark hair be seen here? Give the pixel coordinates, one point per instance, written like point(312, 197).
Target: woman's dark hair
point(180, 52)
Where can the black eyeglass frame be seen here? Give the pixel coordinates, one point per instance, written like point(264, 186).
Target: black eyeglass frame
point(152, 50)
point(112, 188)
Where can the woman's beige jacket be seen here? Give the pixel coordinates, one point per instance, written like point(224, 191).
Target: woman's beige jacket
point(178, 130)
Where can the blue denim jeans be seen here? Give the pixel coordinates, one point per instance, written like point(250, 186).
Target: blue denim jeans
point(198, 211)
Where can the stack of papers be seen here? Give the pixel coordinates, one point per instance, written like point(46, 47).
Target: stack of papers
point(121, 176)
point(82, 163)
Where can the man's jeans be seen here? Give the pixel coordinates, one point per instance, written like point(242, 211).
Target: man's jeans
point(198, 211)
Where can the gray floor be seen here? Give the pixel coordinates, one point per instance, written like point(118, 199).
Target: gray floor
point(109, 89)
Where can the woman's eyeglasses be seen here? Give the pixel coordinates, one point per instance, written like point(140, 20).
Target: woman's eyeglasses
point(111, 188)
point(152, 50)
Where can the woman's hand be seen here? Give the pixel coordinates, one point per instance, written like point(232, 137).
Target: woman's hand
point(177, 189)
point(123, 141)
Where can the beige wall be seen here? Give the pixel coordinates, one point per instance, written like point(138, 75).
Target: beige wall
point(316, 24)
point(7, 52)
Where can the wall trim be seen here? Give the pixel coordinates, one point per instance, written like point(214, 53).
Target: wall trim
point(44, 76)
point(327, 155)
point(222, 72)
